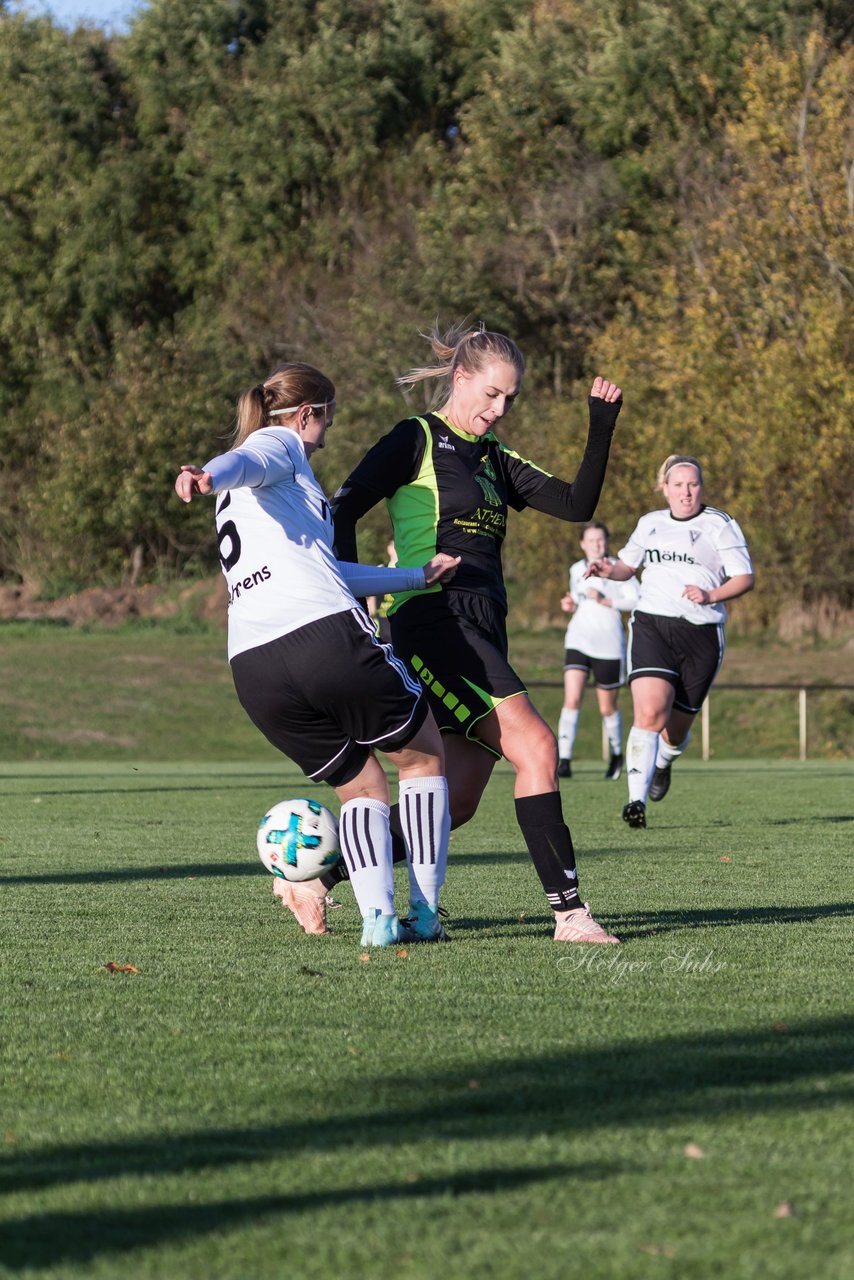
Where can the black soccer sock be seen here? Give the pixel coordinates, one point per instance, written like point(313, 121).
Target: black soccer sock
point(398, 852)
point(338, 873)
point(398, 842)
point(550, 846)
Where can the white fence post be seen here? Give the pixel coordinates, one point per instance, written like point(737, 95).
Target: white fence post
point(704, 721)
point(802, 723)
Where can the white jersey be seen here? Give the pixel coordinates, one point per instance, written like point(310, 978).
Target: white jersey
point(596, 629)
point(274, 533)
point(704, 550)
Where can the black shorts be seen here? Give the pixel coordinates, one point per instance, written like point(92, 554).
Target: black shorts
point(685, 654)
point(456, 643)
point(329, 692)
point(608, 673)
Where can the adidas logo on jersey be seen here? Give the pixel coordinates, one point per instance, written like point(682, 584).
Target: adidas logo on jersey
point(694, 535)
point(444, 443)
point(653, 556)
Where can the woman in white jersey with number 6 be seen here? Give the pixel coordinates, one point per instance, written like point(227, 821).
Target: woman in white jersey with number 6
point(694, 558)
point(307, 665)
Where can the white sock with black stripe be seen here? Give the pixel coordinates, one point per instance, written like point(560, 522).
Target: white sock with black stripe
point(567, 728)
point(426, 820)
point(614, 729)
point(640, 757)
point(667, 752)
point(366, 845)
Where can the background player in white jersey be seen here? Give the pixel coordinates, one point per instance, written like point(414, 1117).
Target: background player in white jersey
point(595, 641)
point(694, 558)
point(306, 663)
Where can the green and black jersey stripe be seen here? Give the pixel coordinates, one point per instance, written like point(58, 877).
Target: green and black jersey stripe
point(450, 491)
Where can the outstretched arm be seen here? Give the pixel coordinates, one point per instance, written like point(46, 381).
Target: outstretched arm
point(264, 460)
point(578, 500)
point(368, 579)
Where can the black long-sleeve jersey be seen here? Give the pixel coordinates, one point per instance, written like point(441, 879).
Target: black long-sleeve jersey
point(450, 491)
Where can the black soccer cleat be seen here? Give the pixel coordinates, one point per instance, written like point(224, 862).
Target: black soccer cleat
point(615, 768)
point(564, 769)
point(660, 784)
point(634, 813)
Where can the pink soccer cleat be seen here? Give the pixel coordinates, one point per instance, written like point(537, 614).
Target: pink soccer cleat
point(579, 926)
point(306, 901)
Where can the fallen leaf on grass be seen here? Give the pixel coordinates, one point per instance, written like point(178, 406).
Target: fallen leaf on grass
point(785, 1210)
point(61, 1057)
point(412, 1177)
point(780, 1026)
point(402, 952)
point(726, 858)
point(658, 1250)
point(693, 1152)
point(474, 1084)
point(365, 958)
point(112, 967)
point(9, 1136)
point(522, 917)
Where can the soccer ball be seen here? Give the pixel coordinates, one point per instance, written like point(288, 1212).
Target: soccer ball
point(298, 839)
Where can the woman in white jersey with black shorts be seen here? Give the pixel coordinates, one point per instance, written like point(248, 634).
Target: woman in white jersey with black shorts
point(595, 641)
point(694, 558)
point(306, 663)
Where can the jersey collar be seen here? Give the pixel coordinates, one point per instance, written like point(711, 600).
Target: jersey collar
point(687, 519)
point(464, 435)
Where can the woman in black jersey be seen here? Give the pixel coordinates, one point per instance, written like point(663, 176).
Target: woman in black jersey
point(448, 483)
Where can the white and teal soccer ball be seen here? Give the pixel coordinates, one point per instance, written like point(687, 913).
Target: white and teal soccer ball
point(298, 839)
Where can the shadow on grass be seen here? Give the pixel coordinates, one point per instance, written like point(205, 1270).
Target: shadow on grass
point(637, 924)
point(179, 788)
point(815, 817)
point(635, 1082)
point(46, 1240)
point(182, 871)
point(646, 924)
point(494, 858)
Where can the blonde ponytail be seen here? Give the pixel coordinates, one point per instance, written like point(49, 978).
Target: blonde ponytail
point(283, 392)
point(461, 347)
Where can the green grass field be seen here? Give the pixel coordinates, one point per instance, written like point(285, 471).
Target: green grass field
point(255, 1103)
point(163, 692)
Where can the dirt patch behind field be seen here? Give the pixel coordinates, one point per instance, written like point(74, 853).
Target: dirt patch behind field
point(112, 606)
